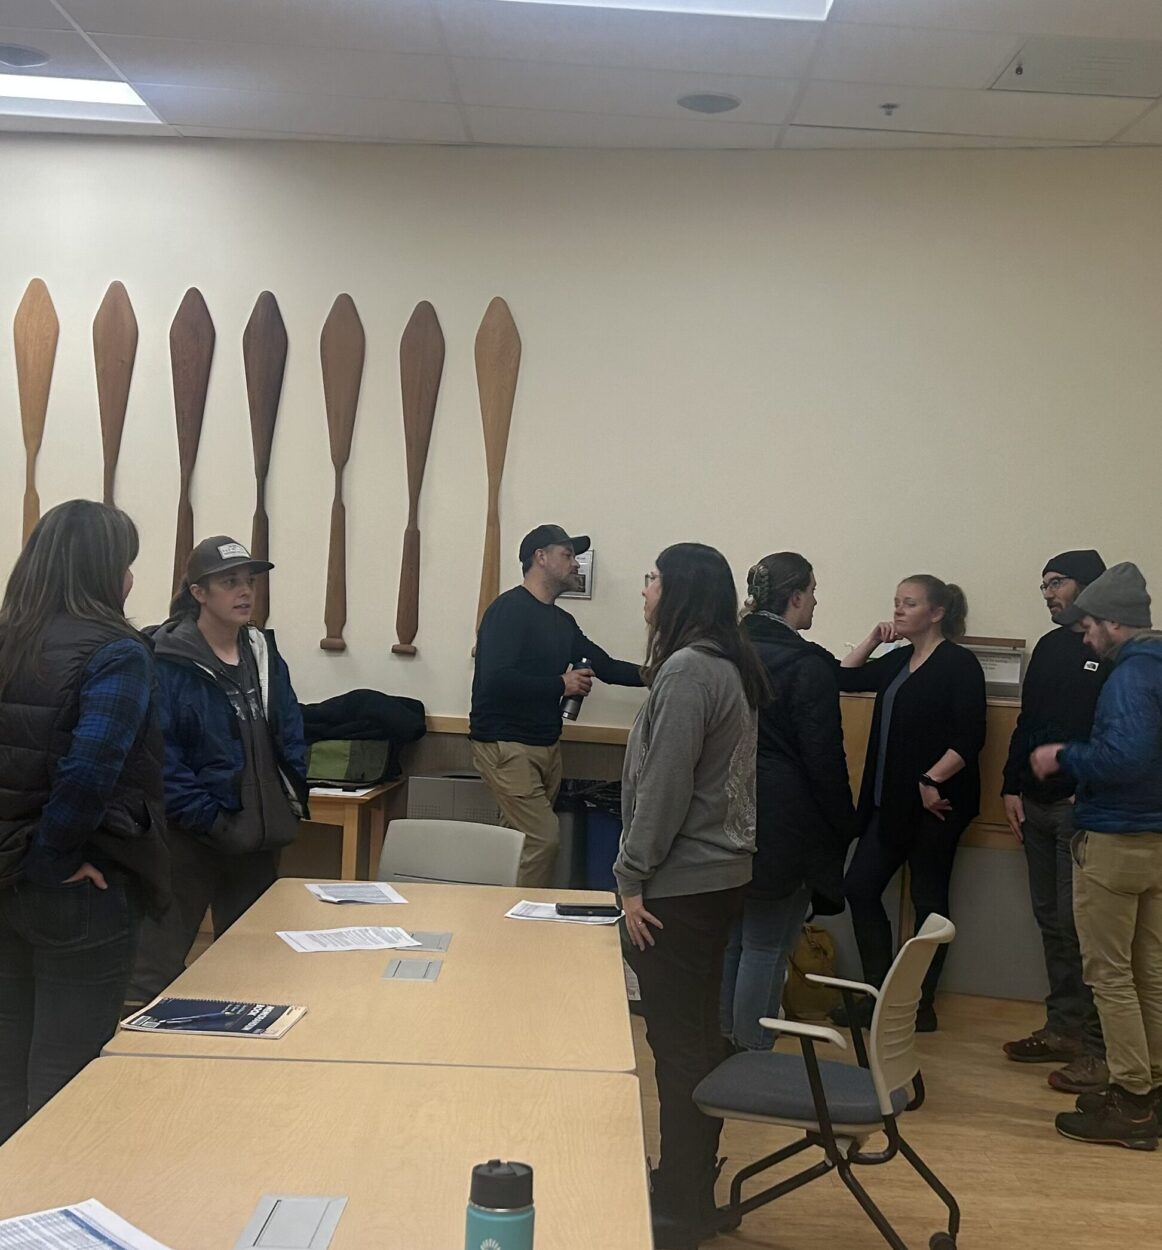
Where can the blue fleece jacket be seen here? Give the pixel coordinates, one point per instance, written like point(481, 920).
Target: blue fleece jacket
point(1120, 768)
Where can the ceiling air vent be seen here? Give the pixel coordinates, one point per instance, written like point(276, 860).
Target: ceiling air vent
point(1111, 67)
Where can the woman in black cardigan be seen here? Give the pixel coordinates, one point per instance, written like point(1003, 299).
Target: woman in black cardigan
point(921, 778)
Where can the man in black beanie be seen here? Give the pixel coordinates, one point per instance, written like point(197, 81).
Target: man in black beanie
point(1057, 705)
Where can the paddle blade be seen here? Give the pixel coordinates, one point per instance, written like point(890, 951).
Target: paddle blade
point(191, 353)
point(341, 348)
point(35, 332)
point(114, 353)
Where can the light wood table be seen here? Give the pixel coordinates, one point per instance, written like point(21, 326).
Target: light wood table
point(511, 993)
point(359, 816)
point(185, 1148)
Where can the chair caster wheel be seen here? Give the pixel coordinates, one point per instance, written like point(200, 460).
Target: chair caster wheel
point(942, 1241)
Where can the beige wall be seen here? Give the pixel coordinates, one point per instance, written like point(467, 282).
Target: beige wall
point(945, 361)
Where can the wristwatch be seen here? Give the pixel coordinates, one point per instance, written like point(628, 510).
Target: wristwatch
point(925, 780)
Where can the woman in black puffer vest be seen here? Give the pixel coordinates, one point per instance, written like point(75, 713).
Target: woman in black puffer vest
point(805, 819)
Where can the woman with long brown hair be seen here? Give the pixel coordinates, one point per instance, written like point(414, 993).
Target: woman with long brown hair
point(81, 807)
point(685, 855)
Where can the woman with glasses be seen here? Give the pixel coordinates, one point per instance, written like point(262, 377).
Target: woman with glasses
point(81, 808)
point(805, 818)
point(921, 779)
point(685, 855)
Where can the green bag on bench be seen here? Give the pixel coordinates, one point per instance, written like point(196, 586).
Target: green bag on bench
point(349, 762)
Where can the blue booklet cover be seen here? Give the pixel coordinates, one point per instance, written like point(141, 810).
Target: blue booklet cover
point(207, 1015)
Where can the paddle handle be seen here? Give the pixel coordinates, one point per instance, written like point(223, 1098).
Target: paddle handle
point(31, 498)
point(490, 569)
point(335, 612)
point(260, 550)
point(407, 613)
point(110, 472)
point(184, 543)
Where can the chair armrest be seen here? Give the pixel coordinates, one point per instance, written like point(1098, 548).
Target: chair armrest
point(797, 1028)
point(838, 983)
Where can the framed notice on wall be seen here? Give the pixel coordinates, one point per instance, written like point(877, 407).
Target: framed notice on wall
point(1003, 661)
point(584, 577)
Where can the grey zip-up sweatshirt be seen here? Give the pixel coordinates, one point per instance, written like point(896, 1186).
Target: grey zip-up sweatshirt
point(688, 787)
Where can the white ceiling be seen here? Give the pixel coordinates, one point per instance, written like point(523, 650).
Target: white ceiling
point(490, 72)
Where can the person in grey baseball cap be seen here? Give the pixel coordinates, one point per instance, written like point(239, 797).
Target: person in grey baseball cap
point(1118, 854)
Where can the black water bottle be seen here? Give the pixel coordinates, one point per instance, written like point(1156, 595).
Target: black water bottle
point(571, 704)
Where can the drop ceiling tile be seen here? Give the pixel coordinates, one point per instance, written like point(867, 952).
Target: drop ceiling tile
point(33, 15)
point(70, 55)
point(395, 25)
point(225, 132)
point(583, 36)
point(533, 128)
point(303, 114)
point(600, 89)
point(264, 67)
point(837, 137)
point(1001, 113)
point(1110, 67)
point(913, 58)
point(1147, 130)
point(83, 126)
point(1110, 19)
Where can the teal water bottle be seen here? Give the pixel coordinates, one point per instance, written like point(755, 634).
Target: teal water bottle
point(500, 1207)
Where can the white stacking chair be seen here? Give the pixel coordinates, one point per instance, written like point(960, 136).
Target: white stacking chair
point(838, 1106)
point(450, 850)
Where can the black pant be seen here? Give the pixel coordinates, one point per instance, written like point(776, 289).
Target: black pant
point(202, 878)
point(65, 955)
point(929, 851)
point(1069, 1010)
point(680, 978)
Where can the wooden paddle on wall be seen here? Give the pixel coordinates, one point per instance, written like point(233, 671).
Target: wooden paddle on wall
point(191, 352)
point(35, 332)
point(264, 358)
point(341, 347)
point(114, 351)
point(421, 364)
point(497, 365)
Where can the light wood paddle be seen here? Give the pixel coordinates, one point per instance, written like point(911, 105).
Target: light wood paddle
point(264, 358)
point(114, 351)
point(421, 364)
point(35, 332)
point(191, 352)
point(497, 365)
point(341, 347)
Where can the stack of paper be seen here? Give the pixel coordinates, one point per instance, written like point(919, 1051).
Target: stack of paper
point(357, 892)
point(525, 910)
point(84, 1226)
point(368, 938)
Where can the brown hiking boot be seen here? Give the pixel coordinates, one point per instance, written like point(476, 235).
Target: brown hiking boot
point(1087, 1074)
point(1043, 1047)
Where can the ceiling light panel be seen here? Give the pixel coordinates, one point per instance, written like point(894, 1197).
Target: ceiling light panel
point(786, 10)
point(35, 95)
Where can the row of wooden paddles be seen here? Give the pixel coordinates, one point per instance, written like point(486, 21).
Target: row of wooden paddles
point(264, 348)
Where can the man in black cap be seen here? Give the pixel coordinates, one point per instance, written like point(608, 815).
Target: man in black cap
point(530, 654)
point(1057, 704)
point(1118, 852)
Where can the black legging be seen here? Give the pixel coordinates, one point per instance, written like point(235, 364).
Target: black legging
point(929, 851)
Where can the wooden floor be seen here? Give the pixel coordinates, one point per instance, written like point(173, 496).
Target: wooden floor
point(986, 1130)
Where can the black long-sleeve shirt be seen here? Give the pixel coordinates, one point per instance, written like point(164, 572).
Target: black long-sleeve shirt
point(1062, 683)
point(522, 649)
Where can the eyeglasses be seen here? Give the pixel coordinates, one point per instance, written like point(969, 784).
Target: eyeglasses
point(1054, 584)
point(650, 579)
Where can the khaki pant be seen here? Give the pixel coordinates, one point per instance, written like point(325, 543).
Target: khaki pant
point(1117, 902)
point(524, 781)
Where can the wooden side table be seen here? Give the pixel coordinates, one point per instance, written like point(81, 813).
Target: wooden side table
point(358, 814)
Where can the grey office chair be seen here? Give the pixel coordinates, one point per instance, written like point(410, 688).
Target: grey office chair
point(837, 1105)
point(450, 850)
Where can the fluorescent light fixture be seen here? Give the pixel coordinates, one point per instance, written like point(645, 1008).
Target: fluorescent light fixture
point(32, 95)
point(788, 10)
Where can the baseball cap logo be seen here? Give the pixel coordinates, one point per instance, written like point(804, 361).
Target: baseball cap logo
point(233, 551)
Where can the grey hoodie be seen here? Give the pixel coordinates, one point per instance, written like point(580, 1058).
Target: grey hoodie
point(688, 787)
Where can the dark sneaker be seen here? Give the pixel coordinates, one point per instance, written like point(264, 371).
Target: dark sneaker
point(864, 1010)
point(1087, 1074)
point(1089, 1103)
point(926, 1019)
point(1043, 1047)
point(1120, 1120)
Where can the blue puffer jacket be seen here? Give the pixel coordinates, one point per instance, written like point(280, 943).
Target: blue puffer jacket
point(204, 752)
point(1120, 767)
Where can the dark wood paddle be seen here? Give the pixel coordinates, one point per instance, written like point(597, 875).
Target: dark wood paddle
point(497, 365)
point(35, 332)
point(114, 351)
point(341, 347)
point(191, 352)
point(421, 364)
point(264, 358)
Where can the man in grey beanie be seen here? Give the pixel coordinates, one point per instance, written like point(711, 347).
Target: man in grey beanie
point(1058, 699)
point(1118, 853)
